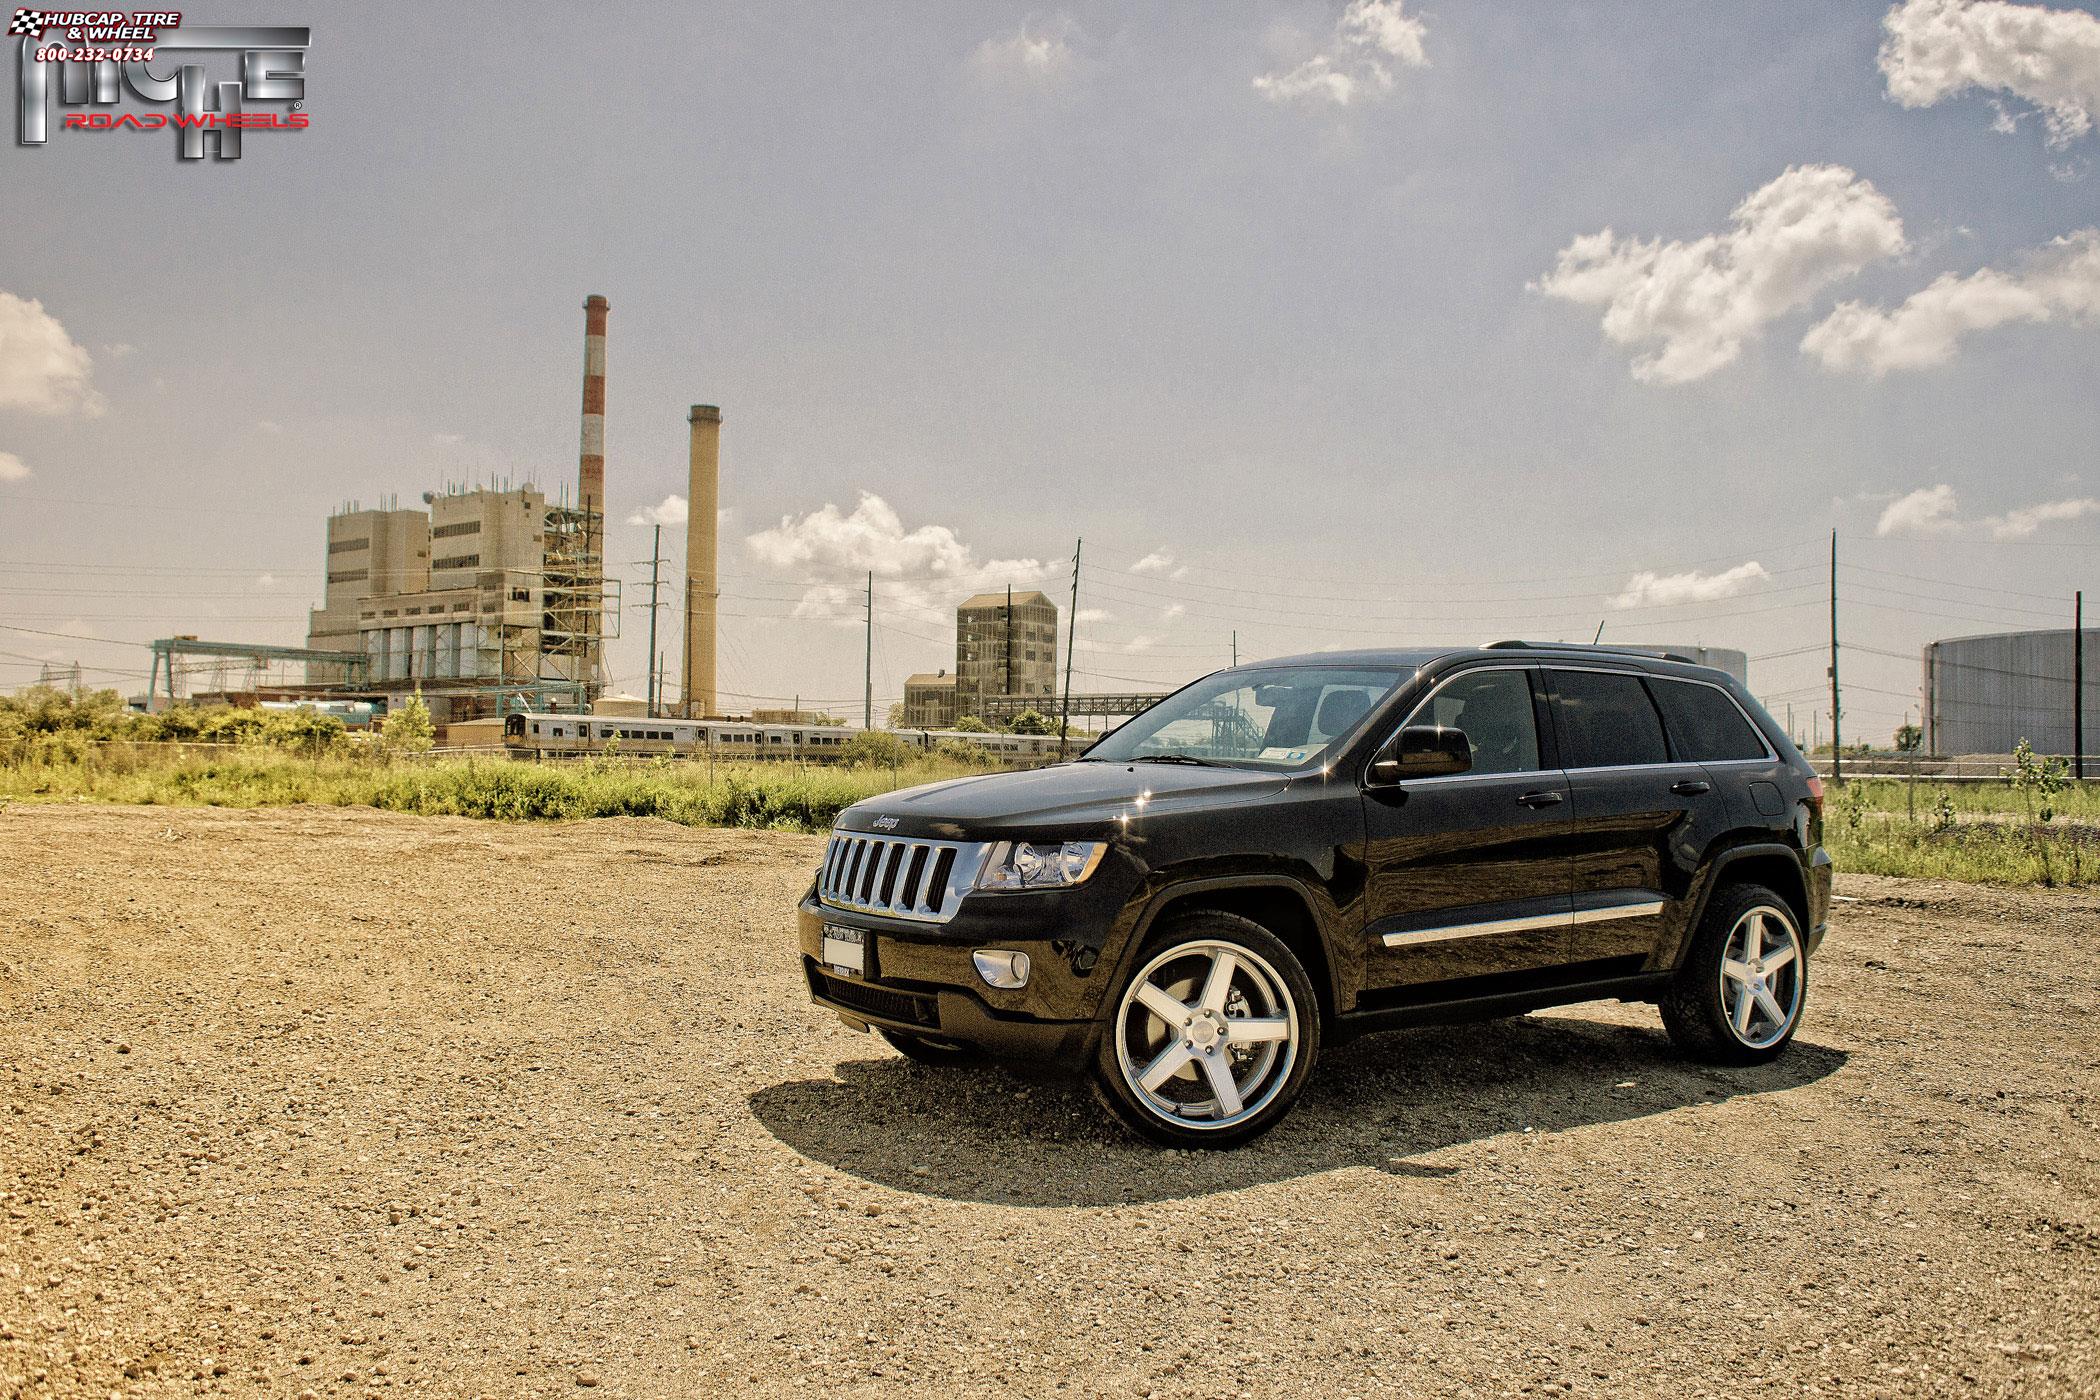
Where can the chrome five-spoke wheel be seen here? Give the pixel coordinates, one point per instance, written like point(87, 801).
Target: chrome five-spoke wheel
point(1207, 1035)
point(1761, 976)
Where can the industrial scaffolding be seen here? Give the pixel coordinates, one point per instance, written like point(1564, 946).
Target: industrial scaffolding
point(575, 601)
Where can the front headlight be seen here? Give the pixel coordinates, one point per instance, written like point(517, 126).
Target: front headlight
point(1029, 865)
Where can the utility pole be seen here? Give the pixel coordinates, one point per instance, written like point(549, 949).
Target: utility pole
point(1837, 746)
point(1235, 646)
point(1009, 639)
point(1064, 722)
point(656, 560)
point(867, 703)
point(2078, 684)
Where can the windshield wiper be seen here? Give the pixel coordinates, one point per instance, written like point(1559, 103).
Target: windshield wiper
point(1175, 758)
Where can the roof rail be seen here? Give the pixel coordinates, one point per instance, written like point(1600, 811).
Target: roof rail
point(1514, 645)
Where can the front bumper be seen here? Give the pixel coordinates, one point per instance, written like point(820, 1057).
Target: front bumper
point(920, 979)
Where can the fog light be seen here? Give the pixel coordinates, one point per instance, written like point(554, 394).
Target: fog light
point(1001, 968)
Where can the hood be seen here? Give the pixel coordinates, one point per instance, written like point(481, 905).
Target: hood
point(1065, 797)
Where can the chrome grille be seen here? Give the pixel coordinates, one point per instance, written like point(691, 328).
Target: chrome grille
point(898, 876)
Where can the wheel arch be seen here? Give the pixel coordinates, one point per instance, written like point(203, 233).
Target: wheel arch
point(1280, 904)
point(1769, 863)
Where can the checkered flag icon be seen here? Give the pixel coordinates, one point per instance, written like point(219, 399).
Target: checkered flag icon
point(30, 22)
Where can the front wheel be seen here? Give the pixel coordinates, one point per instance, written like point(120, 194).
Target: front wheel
point(1738, 998)
point(1213, 1037)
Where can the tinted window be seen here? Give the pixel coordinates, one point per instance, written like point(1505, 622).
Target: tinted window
point(1705, 725)
point(1494, 710)
point(1607, 720)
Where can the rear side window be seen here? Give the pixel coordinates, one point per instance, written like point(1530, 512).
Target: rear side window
point(1705, 725)
point(1607, 720)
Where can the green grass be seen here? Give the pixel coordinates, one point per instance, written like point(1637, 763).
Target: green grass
point(1970, 831)
point(1978, 832)
point(777, 796)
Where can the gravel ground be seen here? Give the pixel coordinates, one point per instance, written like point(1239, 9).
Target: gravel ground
point(342, 1103)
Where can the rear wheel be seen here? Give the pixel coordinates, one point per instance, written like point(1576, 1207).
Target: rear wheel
point(1214, 1035)
point(930, 1052)
point(1738, 998)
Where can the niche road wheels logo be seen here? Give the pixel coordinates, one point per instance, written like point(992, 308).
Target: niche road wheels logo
point(94, 59)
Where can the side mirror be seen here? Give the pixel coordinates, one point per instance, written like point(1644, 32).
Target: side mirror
point(1423, 751)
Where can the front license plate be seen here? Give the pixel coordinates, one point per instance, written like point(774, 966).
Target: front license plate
point(846, 950)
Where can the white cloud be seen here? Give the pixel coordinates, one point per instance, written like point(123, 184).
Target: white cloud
point(266, 580)
point(2019, 524)
point(2061, 279)
point(1038, 55)
point(1929, 510)
point(13, 468)
point(1143, 642)
point(1813, 226)
point(1159, 561)
point(1934, 510)
point(1652, 590)
point(1369, 39)
point(1094, 615)
point(121, 349)
point(1937, 49)
point(42, 369)
point(929, 569)
point(1171, 611)
point(270, 426)
point(671, 510)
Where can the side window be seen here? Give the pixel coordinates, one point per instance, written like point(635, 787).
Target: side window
point(1607, 720)
point(1705, 725)
point(1494, 710)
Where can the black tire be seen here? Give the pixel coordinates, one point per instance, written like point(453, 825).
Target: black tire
point(1269, 1057)
point(930, 1052)
point(1703, 1008)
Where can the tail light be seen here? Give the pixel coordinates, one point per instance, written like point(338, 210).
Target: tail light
point(1815, 794)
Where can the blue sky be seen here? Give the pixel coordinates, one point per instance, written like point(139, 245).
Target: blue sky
point(1296, 367)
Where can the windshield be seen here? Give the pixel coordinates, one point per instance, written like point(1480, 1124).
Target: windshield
point(1274, 717)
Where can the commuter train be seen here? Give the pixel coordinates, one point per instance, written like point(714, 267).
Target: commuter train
point(546, 735)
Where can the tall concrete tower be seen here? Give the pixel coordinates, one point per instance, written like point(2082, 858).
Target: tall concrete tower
point(703, 496)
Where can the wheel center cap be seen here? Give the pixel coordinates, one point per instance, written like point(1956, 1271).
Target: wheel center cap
point(1205, 1031)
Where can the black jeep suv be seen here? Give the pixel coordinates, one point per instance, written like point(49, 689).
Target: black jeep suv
point(1286, 853)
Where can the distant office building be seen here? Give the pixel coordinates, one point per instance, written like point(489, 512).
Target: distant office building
point(1005, 644)
point(929, 700)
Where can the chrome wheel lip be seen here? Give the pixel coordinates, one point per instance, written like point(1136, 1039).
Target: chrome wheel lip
point(1275, 1062)
point(1763, 967)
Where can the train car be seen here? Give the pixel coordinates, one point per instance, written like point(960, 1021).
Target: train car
point(551, 735)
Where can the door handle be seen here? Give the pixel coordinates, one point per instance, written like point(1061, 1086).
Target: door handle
point(1539, 799)
point(1691, 787)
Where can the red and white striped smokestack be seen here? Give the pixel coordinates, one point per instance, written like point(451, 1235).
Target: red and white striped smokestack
point(590, 471)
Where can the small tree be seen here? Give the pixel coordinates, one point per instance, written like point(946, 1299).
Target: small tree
point(875, 748)
point(408, 729)
point(971, 724)
point(2038, 780)
point(1909, 739)
point(1032, 722)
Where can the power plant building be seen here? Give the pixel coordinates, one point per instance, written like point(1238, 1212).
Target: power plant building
point(1984, 694)
point(486, 589)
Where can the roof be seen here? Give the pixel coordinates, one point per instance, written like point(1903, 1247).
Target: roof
point(1411, 658)
point(930, 678)
point(1032, 598)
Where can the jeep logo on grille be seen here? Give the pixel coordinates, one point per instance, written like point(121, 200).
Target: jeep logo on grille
point(885, 823)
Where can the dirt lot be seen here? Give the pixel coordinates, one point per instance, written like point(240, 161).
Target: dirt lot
point(350, 1103)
